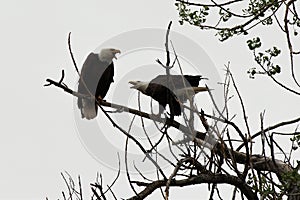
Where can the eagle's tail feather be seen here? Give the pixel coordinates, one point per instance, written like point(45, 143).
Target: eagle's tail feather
point(89, 109)
point(190, 91)
point(199, 89)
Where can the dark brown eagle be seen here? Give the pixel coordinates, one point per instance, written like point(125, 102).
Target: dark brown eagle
point(95, 78)
point(179, 90)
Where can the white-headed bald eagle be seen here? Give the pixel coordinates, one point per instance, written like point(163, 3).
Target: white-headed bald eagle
point(95, 78)
point(179, 90)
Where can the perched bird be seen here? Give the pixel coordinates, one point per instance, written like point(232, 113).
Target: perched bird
point(95, 78)
point(179, 89)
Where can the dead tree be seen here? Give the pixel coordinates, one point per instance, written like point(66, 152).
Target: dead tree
point(216, 156)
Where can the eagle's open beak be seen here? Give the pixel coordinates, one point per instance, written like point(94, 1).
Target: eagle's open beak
point(115, 52)
point(133, 83)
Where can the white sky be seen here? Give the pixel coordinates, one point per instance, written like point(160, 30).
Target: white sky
point(38, 135)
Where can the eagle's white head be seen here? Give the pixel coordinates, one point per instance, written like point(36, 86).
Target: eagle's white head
point(139, 85)
point(106, 55)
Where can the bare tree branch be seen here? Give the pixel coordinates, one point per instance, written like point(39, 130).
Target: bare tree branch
point(199, 179)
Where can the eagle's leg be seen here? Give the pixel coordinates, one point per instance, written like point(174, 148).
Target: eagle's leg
point(160, 111)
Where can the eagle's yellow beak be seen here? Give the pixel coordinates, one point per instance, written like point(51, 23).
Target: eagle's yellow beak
point(115, 51)
point(133, 83)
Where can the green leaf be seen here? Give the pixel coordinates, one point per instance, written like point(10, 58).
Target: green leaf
point(277, 69)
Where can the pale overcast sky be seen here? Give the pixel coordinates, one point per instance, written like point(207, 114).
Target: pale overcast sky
point(39, 131)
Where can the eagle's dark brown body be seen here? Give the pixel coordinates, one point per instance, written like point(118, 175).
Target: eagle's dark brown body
point(97, 76)
point(164, 90)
